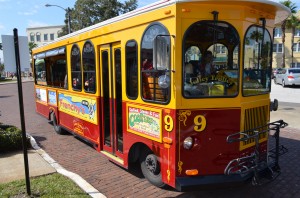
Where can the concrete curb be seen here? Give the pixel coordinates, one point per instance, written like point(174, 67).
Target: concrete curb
point(88, 188)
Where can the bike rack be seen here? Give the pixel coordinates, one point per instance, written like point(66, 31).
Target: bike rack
point(261, 165)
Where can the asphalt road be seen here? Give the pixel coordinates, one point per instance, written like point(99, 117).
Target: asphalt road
point(289, 104)
point(113, 181)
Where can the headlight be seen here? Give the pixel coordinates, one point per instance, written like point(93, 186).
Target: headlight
point(188, 143)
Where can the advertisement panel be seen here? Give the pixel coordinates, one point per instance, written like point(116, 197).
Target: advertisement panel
point(78, 106)
point(41, 95)
point(145, 122)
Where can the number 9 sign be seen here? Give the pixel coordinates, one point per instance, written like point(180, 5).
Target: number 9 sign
point(168, 123)
point(200, 123)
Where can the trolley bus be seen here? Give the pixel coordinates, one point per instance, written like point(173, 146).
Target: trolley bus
point(139, 88)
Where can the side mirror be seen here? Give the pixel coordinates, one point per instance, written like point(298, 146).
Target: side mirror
point(161, 53)
point(164, 81)
point(274, 105)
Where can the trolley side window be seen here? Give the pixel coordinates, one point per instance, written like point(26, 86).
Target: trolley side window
point(40, 71)
point(57, 72)
point(76, 68)
point(155, 64)
point(89, 67)
point(51, 68)
point(257, 61)
point(210, 63)
point(131, 70)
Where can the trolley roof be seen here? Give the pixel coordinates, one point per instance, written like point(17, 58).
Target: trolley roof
point(281, 12)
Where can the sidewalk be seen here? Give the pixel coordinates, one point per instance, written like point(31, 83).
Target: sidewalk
point(40, 163)
point(14, 80)
point(12, 166)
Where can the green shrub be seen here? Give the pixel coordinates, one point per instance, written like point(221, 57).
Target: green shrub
point(11, 138)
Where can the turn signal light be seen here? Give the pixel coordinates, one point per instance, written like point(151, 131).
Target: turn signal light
point(185, 10)
point(167, 140)
point(191, 172)
point(167, 12)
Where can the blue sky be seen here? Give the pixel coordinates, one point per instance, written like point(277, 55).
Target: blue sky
point(22, 14)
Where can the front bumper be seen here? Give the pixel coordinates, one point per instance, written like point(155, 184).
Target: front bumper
point(198, 182)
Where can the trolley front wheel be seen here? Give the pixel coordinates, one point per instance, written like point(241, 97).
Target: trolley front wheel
point(150, 167)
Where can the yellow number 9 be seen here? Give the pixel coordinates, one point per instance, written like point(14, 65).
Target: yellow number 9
point(168, 123)
point(200, 123)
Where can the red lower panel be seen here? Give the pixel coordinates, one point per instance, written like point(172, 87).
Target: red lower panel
point(42, 109)
point(83, 128)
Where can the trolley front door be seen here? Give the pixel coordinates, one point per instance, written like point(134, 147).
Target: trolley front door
point(111, 84)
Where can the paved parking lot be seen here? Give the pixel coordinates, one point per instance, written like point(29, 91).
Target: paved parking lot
point(113, 181)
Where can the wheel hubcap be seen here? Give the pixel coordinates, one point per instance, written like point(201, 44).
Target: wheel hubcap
point(151, 164)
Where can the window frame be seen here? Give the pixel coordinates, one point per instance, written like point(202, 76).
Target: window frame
point(253, 78)
point(32, 37)
point(296, 47)
point(188, 85)
point(159, 95)
point(278, 46)
point(277, 32)
point(89, 79)
point(77, 79)
point(45, 37)
point(38, 37)
point(130, 74)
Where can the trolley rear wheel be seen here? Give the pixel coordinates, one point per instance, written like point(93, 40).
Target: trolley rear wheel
point(58, 129)
point(150, 167)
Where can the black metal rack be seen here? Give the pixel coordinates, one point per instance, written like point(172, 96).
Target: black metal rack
point(261, 165)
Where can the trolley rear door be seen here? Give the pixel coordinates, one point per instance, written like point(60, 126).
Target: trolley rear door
point(112, 135)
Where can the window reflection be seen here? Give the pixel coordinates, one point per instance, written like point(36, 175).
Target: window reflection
point(210, 67)
point(257, 61)
point(89, 67)
point(76, 68)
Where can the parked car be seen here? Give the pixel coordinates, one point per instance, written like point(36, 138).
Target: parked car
point(275, 71)
point(288, 76)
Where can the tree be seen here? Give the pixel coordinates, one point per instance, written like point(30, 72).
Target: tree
point(1, 68)
point(32, 45)
point(89, 12)
point(293, 23)
point(292, 6)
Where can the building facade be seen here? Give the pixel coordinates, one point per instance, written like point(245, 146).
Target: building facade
point(291, 47)
point(43, 35)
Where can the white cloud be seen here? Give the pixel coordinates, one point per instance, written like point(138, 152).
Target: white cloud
point(2, 27)
point(32, 23)
point(32, 12)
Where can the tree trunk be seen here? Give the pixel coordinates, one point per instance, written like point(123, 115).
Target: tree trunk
point(293, 34)
point(283, 43)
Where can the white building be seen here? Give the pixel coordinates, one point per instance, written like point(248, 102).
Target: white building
point(43, 35)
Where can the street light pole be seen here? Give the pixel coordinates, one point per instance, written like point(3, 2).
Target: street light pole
point(68, 13)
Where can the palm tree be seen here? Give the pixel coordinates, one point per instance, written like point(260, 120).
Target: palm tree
point(292, 6)
point(293, 23)
point(257, 36)
point(32, 45)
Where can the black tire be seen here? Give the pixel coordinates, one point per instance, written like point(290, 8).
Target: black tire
point(56, 127)
point(283, 83)
point(150, 167)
